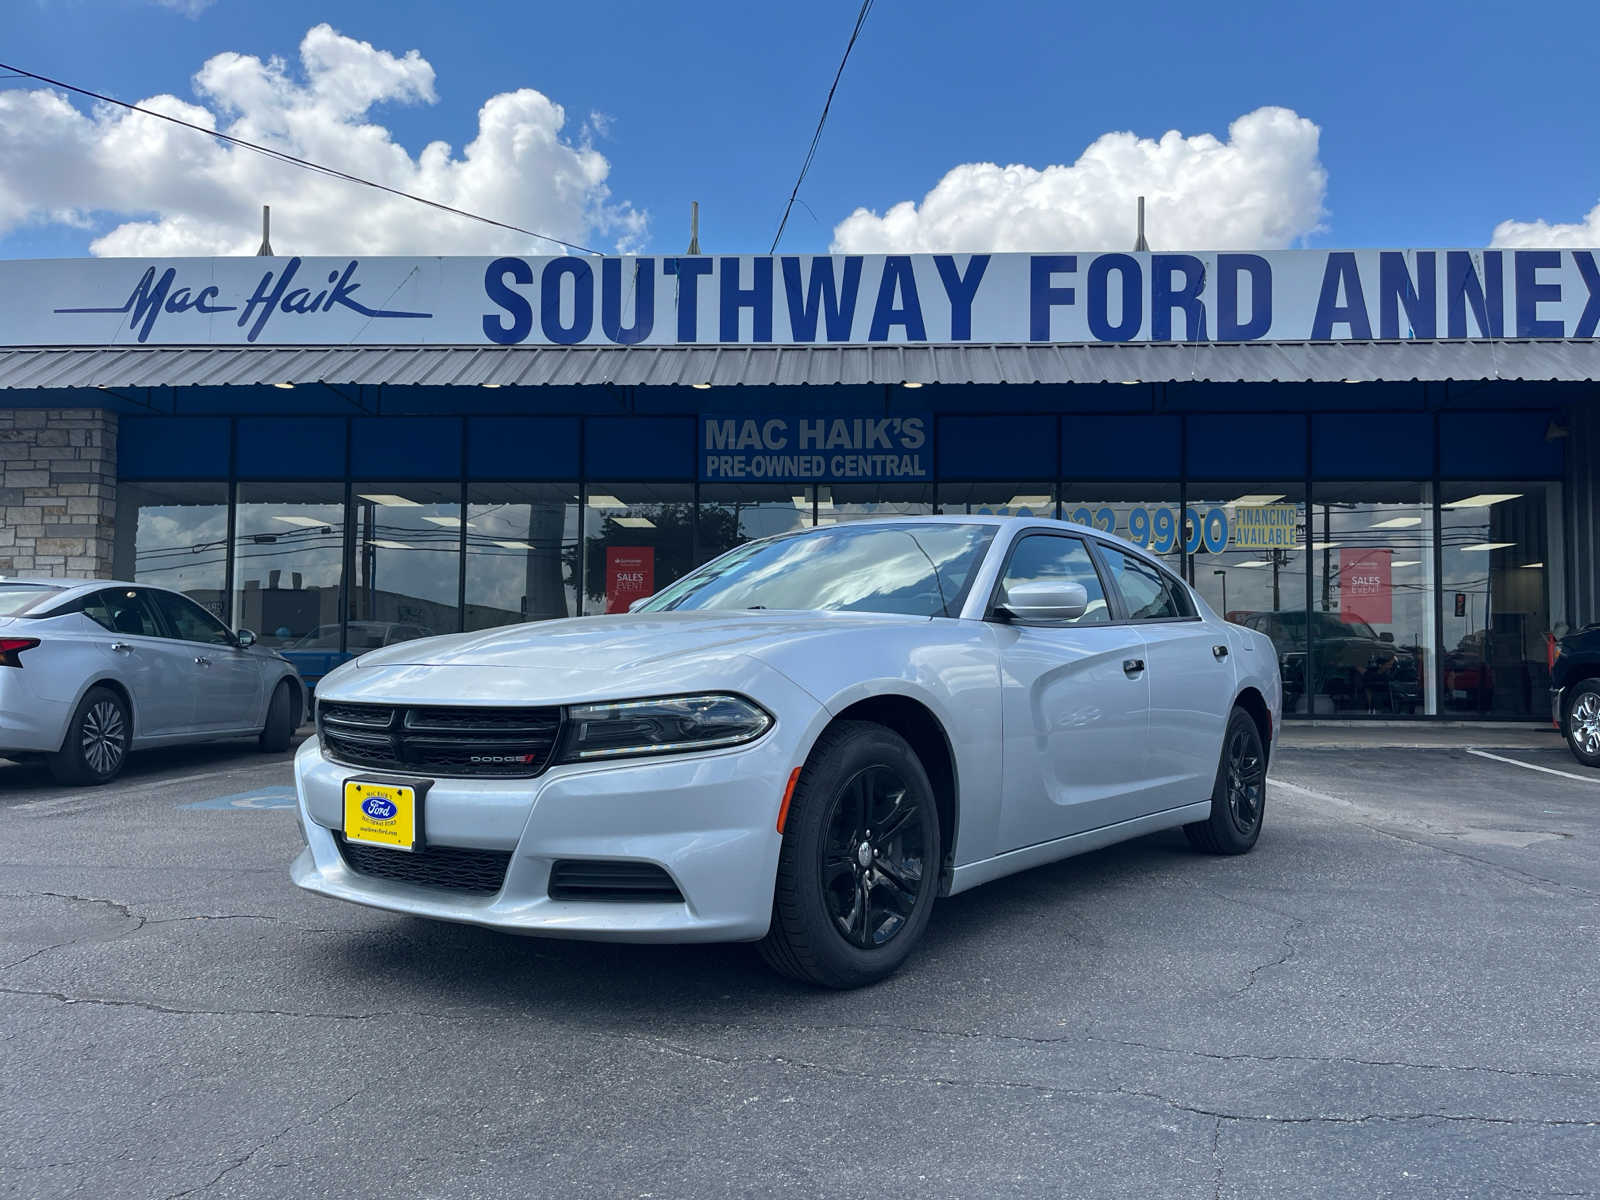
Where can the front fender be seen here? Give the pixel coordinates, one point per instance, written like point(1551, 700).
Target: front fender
point(949, 667)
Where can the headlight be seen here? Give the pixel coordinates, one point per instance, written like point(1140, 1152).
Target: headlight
point(668, 725)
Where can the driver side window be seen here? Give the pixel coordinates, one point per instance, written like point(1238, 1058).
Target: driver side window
point(1051, 558)
point(189, 622)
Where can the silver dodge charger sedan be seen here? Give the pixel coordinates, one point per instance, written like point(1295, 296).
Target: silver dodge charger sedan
point(92, 670)
point(802, 743)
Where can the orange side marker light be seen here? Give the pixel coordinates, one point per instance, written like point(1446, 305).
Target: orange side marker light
point(788, 794)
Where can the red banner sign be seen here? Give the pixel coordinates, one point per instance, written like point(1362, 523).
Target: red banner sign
point(630, 575)
point(1366, 590)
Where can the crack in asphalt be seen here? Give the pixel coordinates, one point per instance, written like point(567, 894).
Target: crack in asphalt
point(1050, 1091)
point(260, 1146)
point(172, 1010)
point(1216, 1158)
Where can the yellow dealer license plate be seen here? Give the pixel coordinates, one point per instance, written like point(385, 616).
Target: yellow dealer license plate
point(380, 814)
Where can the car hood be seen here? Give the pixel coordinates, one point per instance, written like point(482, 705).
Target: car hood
point(578, 658)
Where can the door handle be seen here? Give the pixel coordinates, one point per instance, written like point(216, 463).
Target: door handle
point(122, 647)
point(1132, 666)
point(1219, 652)
point(203, 662)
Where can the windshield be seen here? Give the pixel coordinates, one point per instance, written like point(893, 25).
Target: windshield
point(18, 598)
point(919, 570)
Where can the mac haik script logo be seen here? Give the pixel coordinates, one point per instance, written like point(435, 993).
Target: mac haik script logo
point(155, 296)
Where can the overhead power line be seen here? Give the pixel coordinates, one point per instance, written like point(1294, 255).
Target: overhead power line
point(292, 160)
point(811, 151)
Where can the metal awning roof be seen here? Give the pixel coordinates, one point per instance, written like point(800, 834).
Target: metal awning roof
point(758, 366)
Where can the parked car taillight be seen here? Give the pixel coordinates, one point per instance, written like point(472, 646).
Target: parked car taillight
point(11, 647)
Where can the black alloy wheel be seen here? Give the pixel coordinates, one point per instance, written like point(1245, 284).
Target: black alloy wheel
point(859, 866)
point(873, 870)
point(1239, 793)
point(1246, 779)
point(97, 741)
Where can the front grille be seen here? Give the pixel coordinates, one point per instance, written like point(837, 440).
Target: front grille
point(452, 868)
point(506, 743)
point(617, 882)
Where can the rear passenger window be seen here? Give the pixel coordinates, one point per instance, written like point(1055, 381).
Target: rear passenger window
point(1149, 594)
point(1044, 557)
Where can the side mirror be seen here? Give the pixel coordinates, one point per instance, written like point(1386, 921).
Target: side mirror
point(1045, 600)
point(246, 639)
point(1386, 637)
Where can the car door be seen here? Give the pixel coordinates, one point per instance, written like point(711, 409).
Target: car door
point(1073, 704)
point(155, 670)
point(1191, 677)
point(228, 683)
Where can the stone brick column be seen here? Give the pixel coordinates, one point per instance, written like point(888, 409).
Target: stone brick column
point(58, 491)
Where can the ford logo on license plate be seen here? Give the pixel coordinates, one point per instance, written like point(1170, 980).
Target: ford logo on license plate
point(378, 808)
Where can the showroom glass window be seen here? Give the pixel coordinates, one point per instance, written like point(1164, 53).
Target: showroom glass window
point(841, 502)
point(1035, 499)
point(522, 553)
point(174, 535)
point(637, 538)
point(731, 514)
point(1247, 546)
point(407, 567)
point(288, 556)
point(1147, 514)
point(1494, 544)
point(1372, 592)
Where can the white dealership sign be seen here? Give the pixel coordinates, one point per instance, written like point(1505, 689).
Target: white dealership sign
point(1290, 295)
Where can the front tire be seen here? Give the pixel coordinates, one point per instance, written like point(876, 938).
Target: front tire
point(279, 729)
point(1582, 726)
point(1239, 795)
point(98, 736)
point(859, 866)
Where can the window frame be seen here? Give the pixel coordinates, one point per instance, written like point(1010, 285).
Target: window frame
point(156, 595)
point(1112, 598)
point(1178, 588)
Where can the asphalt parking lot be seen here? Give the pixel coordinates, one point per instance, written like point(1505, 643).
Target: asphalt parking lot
point(1395, 995)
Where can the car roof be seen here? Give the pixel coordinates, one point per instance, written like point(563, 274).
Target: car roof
point(975, 519)
point(56, 582)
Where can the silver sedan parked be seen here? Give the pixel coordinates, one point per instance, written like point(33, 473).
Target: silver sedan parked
point(92, 670)
point(803, 743)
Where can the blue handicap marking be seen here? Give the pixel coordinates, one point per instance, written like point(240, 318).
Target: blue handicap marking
point(260, 798)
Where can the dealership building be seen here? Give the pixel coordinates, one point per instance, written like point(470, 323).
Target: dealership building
point(1386, 460)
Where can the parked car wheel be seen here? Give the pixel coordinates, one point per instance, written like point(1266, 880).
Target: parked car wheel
point(1239, 796)
point(1582, 727)
point(275, 734)
point(859, 866)
point(96, 746)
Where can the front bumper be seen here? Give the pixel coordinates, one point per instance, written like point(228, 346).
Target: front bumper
point(709, 820)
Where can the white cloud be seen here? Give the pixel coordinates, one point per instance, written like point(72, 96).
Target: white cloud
point(1585, 232)
point(177, 192)
point(1262, 188)
point(189, 8)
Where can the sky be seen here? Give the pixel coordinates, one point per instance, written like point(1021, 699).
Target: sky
point(1012, 125)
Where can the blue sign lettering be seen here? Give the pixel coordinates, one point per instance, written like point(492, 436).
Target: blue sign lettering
point(796, 449)
point(151, 297)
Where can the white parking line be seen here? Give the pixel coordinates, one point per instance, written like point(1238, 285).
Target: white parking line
point(1532, 767)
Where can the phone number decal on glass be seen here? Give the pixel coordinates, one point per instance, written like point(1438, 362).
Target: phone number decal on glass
point(1157, 528)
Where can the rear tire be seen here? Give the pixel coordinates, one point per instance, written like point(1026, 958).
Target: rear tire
point(1582, 724)
point(1239, 795)
point(98, 736)
point(279, 729)
point(852, 903)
